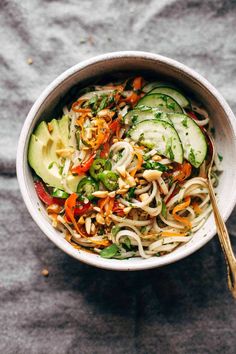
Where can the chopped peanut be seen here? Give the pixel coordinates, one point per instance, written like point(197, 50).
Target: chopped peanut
point(130, 180)
point(97, 209)
point(127, 210)
point(81, 220)
point(121, 183)
point(93, 229)
point(151, 175)
point(88, 224)
point(122, 190)
point(65, 152)
point(112, 194)
point(156, 158)
point(108, 220)
point(100, 194)
point(100, 219)
point(54, 209)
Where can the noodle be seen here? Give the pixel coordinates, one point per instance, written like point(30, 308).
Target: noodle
point(118, 210)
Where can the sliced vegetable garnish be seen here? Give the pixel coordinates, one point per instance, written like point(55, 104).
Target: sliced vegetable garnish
point(159, 135)
point(86, 187)
point(164, 102)
point(192, 138)
point(109, 179)
point(82, 208)
point(59, 193)
point(98, 166)
point(84, 167)
point(44, 196)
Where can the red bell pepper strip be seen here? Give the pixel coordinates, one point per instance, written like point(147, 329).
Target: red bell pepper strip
point(84, 167)
point(105, 150)
point(117, 209)
point(193, 115)
point(44, 196)
point(114, 125)
point(81, 209)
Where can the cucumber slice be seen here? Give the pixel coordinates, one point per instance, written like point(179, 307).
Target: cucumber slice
point(192, 138)
point(175, 94)
point(159, 135)
point(151, 85)
point(163, 102)
point(138, 115)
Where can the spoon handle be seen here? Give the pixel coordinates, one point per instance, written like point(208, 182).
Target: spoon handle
point(224, 241)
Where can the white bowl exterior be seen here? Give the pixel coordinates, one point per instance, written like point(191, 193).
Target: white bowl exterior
point(220, 112)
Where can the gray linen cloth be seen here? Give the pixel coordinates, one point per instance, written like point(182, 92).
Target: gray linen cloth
point(182, 308)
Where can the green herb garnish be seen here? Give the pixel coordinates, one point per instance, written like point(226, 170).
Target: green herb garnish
point(153, 165)
point(185, 122)
point(170, 152)
point(220, 157)
point(131, 192)
point(103, 103)
point(109, 251)
point(51, 164)
point(134, 118)
point(191, 157)
point(157, 115)
point(126, 242)
point(115, 230)
point(171, 106)
point(163, 210)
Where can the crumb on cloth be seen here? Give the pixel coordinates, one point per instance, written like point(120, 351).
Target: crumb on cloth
point(30, 61)
point(45, 272)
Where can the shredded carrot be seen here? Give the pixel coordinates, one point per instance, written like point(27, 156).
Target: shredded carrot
point(196, 208)
point(80, 120)
point(100, 137)
point(180, 207)
point(76, 107)
point(137, 83)
point(183, 172)
point(69, 209)
point(84, 234)
point(172, 234)
point(139, 163)
point(133, 98)
point(102, 202)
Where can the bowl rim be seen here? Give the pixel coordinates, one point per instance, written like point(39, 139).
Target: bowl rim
point(82, 255)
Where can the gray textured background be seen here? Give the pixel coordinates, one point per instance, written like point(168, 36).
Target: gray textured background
point(182, 308)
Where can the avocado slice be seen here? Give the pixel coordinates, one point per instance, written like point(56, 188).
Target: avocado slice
point(42, 154)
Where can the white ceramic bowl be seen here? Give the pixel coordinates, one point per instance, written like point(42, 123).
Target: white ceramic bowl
point(190, 81)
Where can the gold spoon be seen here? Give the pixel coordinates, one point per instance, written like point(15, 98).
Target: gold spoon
point(222, 230)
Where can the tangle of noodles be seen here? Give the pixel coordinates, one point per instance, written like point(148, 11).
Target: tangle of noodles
point(131, 215)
